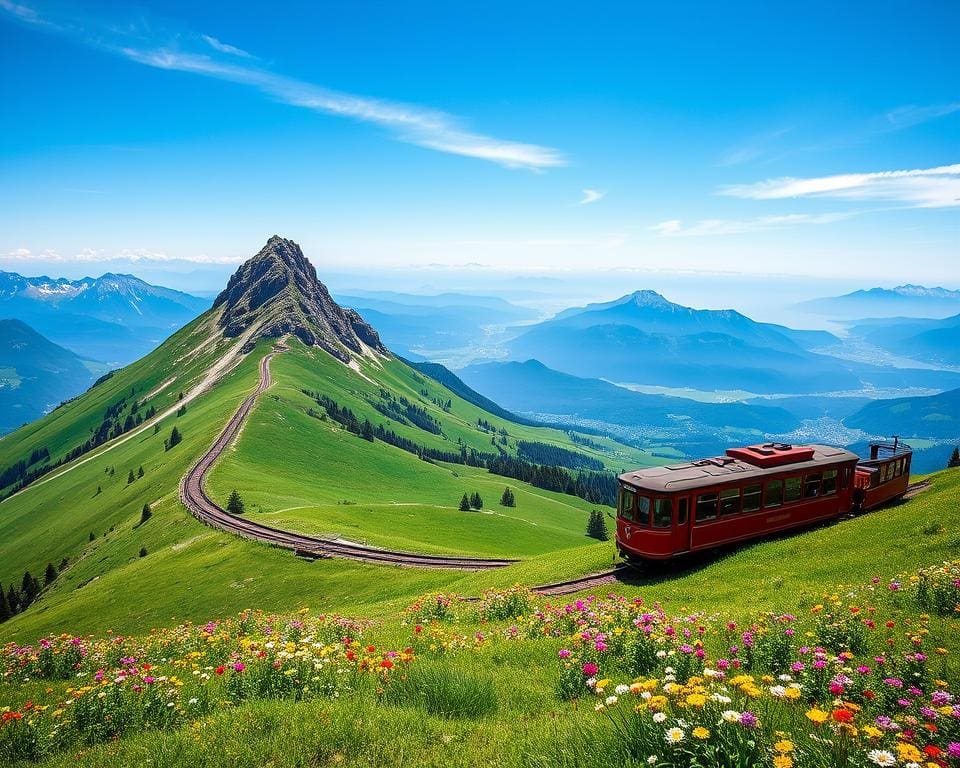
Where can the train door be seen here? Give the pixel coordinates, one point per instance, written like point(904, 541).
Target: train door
point(681, 528)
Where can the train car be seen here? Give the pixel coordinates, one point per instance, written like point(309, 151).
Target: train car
point(884, 477)
point(664, 512)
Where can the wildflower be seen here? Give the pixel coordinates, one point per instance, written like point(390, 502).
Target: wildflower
point(590, 669)
point(674, 735)
point(659, 717)
point(749, 720)
point(881, 757)
point(782, 761)
point(701, 733)
point(730, 716)
point(817, 716)
point(783, 746)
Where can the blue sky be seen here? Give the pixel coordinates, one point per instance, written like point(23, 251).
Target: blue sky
point(820, 140)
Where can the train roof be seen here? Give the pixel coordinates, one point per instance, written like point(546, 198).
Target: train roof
point(764, 460)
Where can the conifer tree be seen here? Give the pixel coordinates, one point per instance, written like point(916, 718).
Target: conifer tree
point(4, 607)
point(954, 459)
point(174, 439)
point(475, 501)
point(507, 499)
point(366, 431)
point(235, 505)
point(29, 588)
point(146, 513)
point(63, 565)
point(464, 504)
point(49, 575)
point(597, 526)
point(92, 537)
point(140, 472)
point(131, 477)
point(143, 551)
point(13, 600)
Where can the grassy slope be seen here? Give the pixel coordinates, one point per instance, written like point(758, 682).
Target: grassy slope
point(192, 571)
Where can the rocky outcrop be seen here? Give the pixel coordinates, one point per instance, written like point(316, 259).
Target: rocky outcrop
point(277, 292)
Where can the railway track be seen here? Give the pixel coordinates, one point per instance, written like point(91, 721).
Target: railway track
point(195, 498)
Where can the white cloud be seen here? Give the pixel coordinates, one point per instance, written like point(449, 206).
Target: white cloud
point(100, 255)
point(921, 188)
point(911, 114)
point(712, 227)
point(410, 123)
point(591, 196)
point(225, 48)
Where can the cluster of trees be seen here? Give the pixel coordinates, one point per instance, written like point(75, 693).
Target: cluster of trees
point(473, 501)
point(402, 410)
point(175, 439)
point(593, 486)
point(586, 442)
point(545, 453)
point(597, 526)
point(507, 498)
point(14, 600)
point(132, 477)
point(20, 474)
point(954, 460)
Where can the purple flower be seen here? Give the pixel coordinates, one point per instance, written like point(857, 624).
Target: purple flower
point(589, 669)
point(748, 720)
point(953, 749)
point(564, 653)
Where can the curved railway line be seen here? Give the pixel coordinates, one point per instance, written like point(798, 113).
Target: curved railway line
point(195, 498)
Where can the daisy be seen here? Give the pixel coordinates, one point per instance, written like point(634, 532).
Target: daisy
point(674, 736)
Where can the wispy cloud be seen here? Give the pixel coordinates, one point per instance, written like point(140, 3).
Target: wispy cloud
point(100, 255)
point(761, 145)
point(920, 188)
point(410, 123)
point(225, 48)
point(713, 227)
point(591, 196)
point(911, 114)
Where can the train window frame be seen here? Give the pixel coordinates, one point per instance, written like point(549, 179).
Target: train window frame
point(658, 513)
point(845, 477)
point(642, 514)
point(829, 475)
point(683, 511)
point(729, 497)
point(627, 512)
point(898, 468)
point(811, 485)
point(753, 491)
point(791, 484)
point(766, 493)
point(706, 518)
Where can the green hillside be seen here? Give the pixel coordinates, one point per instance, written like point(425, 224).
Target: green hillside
point(933, 416)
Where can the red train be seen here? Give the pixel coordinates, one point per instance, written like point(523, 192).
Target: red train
point(665, 512)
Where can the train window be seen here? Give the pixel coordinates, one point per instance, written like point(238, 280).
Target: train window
point(829, 482)
point(845, 477)
point(811, 485)
point(706, 507)
point(626, 503)
point(643, 511)
point(898, 467)
point(751, 498)
point(773, 494)
point(730, 501)
point(883, 473)
point(662, 513)
point(682, 512)
point(791, 489)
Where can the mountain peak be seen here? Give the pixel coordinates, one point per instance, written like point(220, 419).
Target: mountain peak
point(277, 292)
point(648, 298)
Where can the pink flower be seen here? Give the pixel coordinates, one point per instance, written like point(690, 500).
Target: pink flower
point(239, 666)
point(589, 669)
point(564, 653)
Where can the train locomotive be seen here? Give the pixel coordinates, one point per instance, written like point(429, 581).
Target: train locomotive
point(750, 492)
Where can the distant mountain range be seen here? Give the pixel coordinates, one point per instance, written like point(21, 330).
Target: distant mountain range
point(933, 416)
point(111, 318)
point(932, 341)
point(35, 374)
point(533, 388)
point(416, 325)
point(904, 300)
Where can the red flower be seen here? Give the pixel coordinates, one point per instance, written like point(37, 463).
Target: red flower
point(351, 656)
point(220, 670)
point(386, 664)
point(932, 750)
point(842, 715)
point(7, 716)
point(418, 629)
point(371, 648)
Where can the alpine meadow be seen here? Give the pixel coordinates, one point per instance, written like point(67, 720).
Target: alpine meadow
point(530, 387)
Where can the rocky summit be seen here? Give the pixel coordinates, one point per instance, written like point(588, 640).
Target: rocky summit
point(277, 292)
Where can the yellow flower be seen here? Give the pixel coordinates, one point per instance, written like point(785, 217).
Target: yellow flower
point(908, 752)
point(872, 731)
point(817, 716)
point(782, 761)
point(701, 733)
point(783, 746)
point(696, 700)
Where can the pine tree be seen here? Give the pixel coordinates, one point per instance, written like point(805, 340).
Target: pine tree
point(464, 504)
point(174, 439)
point(92, 537)
point(29, 588)
point(99, 491)
point(597, 526)
point(156, 428)
point(146, 513)
point(235, 505)
point(13, 600)
point(507, 499)
point(954, 459)
point(63, 565)
point(181, 410)
point(475, 501)
point(140, 472)
point(366, 431)
point(131, 477)
point(49, 575)
point(143, 551)
point(5, 612)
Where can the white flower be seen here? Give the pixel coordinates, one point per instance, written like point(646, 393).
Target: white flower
point(881, 757)
point(661, 654)
point(659, 717)
point(652, 760)
point(611, 700)
point(778, 691)
point(674, 736)
point(646, 695)
point(591, 681)
point(622, 689)
point(720, 698)
point(785, 678)
point(598, 707)
point(731, 716)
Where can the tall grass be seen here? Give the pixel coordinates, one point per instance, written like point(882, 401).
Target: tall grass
point(444, 690)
